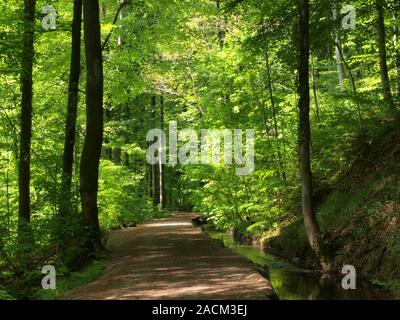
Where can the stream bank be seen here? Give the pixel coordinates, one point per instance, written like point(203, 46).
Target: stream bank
point(293, 283)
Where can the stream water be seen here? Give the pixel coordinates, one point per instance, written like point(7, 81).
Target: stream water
point(293, 283)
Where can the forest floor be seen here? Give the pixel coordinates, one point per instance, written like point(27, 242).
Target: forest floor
point(170, 259)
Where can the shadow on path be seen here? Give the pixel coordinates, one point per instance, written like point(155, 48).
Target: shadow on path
point(170, 259)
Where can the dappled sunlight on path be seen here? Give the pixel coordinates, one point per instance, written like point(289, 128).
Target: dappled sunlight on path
point(170, 259)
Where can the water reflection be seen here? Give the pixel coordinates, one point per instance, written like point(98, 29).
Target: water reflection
point(293, 283)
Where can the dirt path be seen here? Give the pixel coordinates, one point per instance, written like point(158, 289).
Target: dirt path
point(170, 259)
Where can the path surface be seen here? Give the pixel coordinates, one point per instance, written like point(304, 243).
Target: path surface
point(170, 259)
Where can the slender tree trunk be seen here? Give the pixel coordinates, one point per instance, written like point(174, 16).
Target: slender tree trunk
point(76, 168)
point(103, 8)
point(396, 47)
point(339, 63)
point(107, 150)
point(116, 155)
point(380, 27)
point(273, 107)
point(161, 165)
point(353, 83)
point(149, 179)
point(89, 169)
point(24, 218)
point(8, 192)
point(314, 88)
point(155, 167)
point(116, 151)
point(154, 184)
point(121, 15)
point(264, 107)
point(126, 160)
point(70, 125)
point(310, 221)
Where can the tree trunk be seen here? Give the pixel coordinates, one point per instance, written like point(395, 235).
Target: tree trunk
point(126, 162)
point(25, 235)
point(396, 49)
point(149, 179)
point(155, 167)
point(273, 107)
point(120, 40)
point(310, 222)
point(339, 63)
point(353, 83)
point(154, 184)
point(70, 126)
point(314, 86)
point(161, 165)
point(116, 151)
point(107, 151)
point(116, 155)
point(89, 168)
point(380, 28)
point(103, 8)
point(8, 202)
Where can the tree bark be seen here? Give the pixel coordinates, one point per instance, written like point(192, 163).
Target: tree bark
point(89, 168)
point(72, 107)
point(310, 221)
point(380, 28)
point(24, 218)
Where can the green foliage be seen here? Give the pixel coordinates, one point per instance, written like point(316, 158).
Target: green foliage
point(67, 281)
point(228, 67)
point(120, 198)
point(4, 295)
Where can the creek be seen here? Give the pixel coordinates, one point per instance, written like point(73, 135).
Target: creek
point(293, 283)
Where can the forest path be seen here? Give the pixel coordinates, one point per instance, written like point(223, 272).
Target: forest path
point(170, 259)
